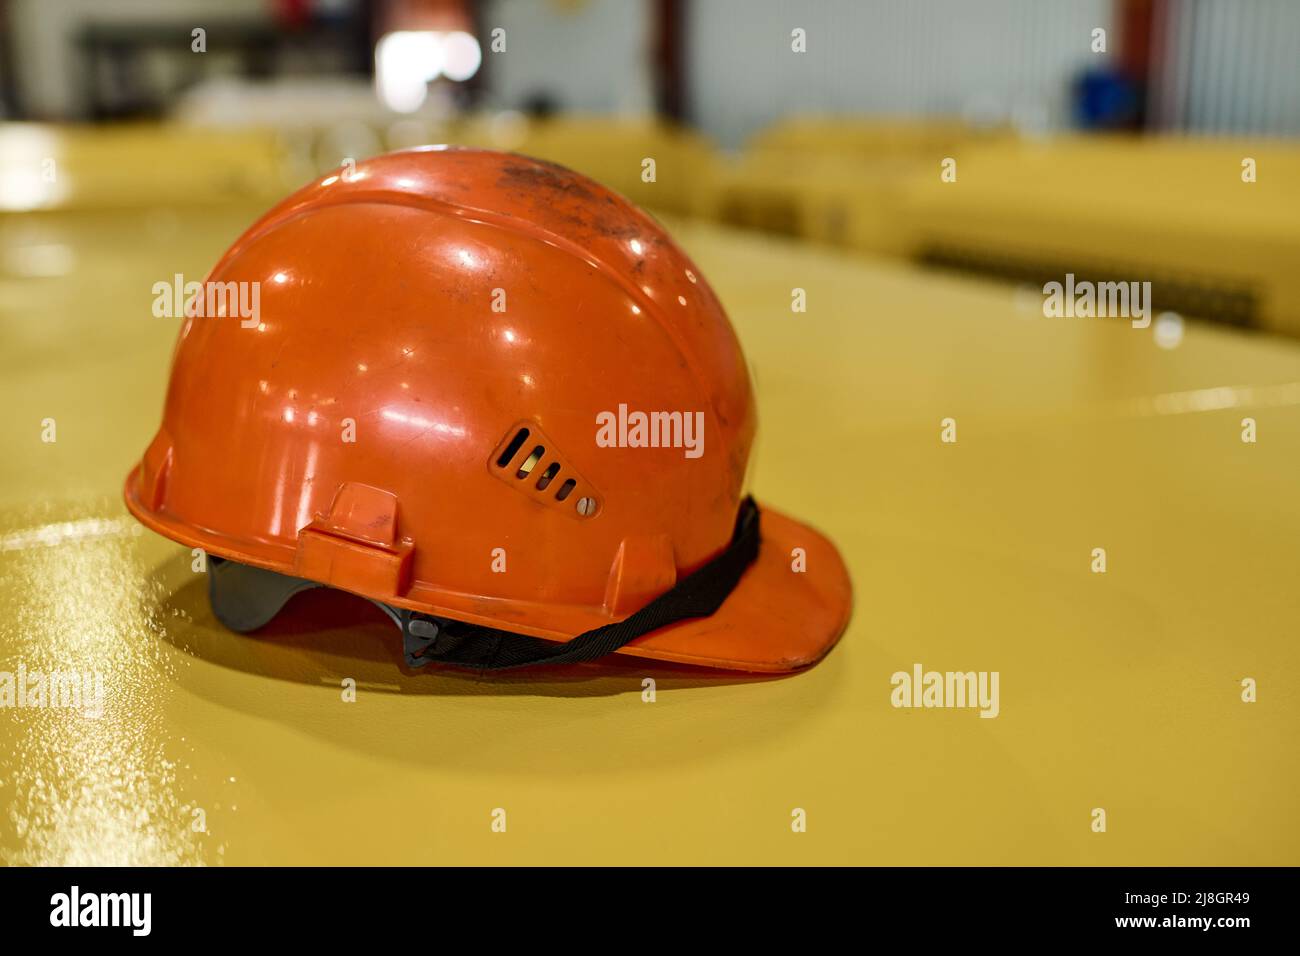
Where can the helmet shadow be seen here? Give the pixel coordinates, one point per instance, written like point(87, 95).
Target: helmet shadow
point(292, 673)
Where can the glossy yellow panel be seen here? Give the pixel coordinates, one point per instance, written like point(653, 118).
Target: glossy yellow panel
point(1120, 691)
point(125, 167)
point(1213, 224)
point(835, 179)
point(1201, 218)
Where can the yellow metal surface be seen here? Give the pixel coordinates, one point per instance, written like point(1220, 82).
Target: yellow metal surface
point(43, 167)
point(837, 200)
point(126, 167)
point(834, 179)
point(1173, 211)
point(866, 138)
point(1119, 691)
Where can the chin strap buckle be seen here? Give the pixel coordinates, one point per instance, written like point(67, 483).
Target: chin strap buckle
point(419, 634)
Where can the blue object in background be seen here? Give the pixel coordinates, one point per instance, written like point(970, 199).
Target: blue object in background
point(1107, 99)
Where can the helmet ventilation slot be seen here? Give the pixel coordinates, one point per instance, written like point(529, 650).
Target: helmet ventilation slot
point(528, 461)
point(513, 448)
point(552, 470)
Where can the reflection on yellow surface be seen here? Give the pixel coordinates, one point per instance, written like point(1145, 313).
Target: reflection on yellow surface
point(1215, 399)
point(98, 783)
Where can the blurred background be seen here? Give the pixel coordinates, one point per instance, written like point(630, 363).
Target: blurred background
point(1124, 139)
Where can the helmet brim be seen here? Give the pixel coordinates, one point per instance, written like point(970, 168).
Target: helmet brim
point(787, 612)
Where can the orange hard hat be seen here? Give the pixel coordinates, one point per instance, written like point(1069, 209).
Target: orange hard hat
point(496, 399)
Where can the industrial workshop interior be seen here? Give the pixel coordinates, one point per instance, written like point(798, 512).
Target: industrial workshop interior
point(648, 433)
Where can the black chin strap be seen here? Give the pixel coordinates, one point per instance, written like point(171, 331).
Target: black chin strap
point(438, 640)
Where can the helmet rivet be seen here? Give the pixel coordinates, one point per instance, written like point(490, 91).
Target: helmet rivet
point(586, 507)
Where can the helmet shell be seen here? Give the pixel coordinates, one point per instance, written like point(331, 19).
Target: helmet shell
point(412, 317)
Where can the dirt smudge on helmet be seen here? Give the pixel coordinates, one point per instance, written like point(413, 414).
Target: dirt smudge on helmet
point(541, 182)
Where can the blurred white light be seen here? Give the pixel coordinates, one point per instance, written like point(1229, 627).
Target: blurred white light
point(31, 168)
point(22, 189)
point(1168, 330)
point(405, 63)
point(460, 56)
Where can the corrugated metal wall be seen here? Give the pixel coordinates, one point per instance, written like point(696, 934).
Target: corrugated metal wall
point(998, 59)
point(1226, 66)
point(1218, 66)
